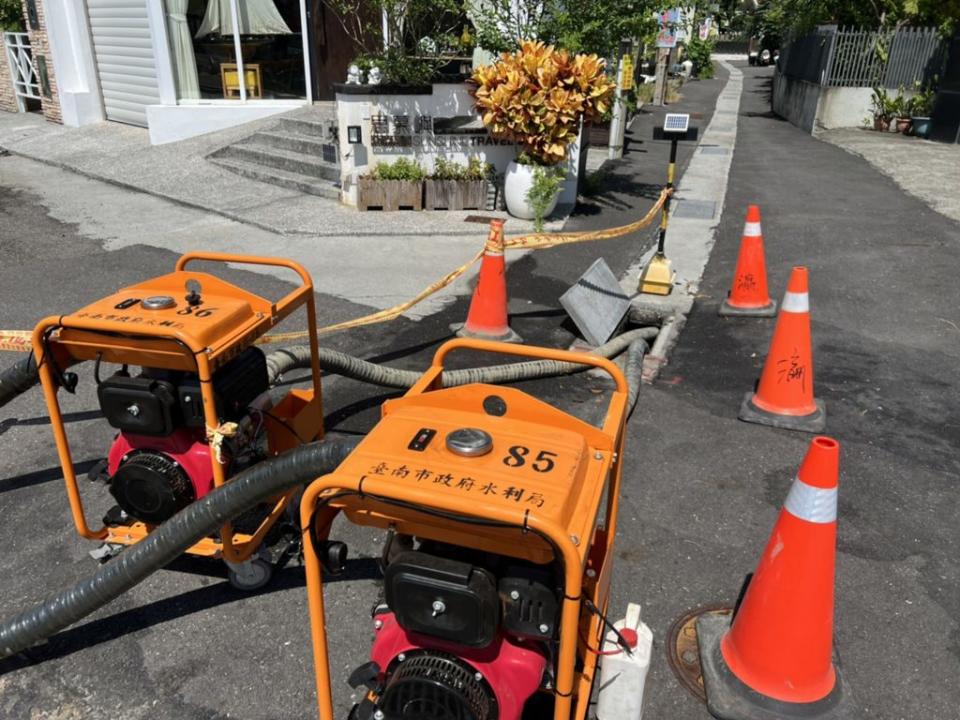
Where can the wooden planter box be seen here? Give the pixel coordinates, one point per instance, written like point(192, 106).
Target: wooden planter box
point(456, 194)
point(389, 194)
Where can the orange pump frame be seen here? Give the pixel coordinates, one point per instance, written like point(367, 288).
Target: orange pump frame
point(580, 542)
point(193, 345)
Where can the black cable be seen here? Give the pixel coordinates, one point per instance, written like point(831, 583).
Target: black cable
point(621, 640)
point(96, 368)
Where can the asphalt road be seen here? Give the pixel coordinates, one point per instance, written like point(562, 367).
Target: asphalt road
point(701, 489)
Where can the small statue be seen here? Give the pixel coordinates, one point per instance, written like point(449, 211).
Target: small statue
point(353, 75)
point(374, 77)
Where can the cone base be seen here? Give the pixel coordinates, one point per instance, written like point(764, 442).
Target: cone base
point(728, 698)
point(728, 310)
point(813, 423)
point(507, 336)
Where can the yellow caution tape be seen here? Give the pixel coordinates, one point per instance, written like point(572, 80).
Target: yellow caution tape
point(19, 340)
point(15, 340)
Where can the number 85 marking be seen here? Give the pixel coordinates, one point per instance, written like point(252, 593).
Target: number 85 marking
point(517, 457)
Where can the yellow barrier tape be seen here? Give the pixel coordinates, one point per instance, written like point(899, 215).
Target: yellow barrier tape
point(15, 340)
point(19, 340)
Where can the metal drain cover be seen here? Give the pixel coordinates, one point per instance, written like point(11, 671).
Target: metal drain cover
point(683, 653)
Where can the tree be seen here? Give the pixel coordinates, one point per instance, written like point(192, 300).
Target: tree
point(11, 15)
point(585, 26)
point(784, 17)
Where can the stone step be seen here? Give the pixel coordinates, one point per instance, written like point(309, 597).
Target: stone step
point(278, 159)
point(318, 129)
point(281, 178)
point(308, 145)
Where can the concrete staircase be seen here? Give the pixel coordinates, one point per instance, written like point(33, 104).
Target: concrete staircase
point(297, 151)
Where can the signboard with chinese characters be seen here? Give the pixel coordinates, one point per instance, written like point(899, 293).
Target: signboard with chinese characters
point(424, 132)
point(421, 126)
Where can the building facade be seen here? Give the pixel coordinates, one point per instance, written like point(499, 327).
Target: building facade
point(183, 67)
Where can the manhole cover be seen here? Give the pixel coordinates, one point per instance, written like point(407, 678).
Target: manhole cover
point(683, 653)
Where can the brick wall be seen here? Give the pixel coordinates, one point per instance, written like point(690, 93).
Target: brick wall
point(41, 49)
point(8, 100)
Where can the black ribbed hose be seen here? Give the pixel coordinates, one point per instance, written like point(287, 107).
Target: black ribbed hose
point(201, 518)
point(18, 378)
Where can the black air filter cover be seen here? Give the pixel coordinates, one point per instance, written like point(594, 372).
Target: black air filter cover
point(431, 685)
point(447, 599)
point(151, 487)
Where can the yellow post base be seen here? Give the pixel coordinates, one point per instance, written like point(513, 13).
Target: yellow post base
point(657, 276)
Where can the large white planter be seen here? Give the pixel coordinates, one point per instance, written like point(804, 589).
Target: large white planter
point(516, 183)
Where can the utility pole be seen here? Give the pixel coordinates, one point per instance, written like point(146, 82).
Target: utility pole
point(660, 86)
point(619, 119)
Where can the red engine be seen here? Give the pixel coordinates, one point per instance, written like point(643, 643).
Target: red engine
point(463, 635)
point(160, 461)
point(152, 478)
point(427, 678)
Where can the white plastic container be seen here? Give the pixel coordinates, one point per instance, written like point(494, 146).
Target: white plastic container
point(622, 676)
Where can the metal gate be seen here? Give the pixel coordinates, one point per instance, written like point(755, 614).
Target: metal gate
point(23, 69)
point(125, 59)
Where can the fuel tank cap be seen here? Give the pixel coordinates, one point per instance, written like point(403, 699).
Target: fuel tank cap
point(469, 442)
point(158, 302)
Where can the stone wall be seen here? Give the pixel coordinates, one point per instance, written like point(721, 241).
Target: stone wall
point(8, 100)
point(40, 44)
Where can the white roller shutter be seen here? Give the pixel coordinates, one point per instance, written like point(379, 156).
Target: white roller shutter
point(125, 62)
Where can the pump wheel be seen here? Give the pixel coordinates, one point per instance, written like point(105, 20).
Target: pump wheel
point(251, 575)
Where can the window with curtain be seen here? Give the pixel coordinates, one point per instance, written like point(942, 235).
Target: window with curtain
point(201, 35)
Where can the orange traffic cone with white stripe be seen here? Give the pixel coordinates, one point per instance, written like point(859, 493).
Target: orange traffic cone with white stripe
point(487, 317)
point(749, 297)
point(775, 658)
point(784, 396)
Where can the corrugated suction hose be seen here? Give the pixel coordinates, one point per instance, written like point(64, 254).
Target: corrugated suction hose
point(170, 540)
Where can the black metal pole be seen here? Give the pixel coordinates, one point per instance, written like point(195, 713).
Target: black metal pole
point(666, 204)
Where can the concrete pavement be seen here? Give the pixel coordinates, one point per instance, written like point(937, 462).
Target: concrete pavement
point(701, 488)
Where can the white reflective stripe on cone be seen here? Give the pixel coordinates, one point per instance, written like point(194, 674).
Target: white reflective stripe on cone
point(752, 229)
point(796, 302)
point(813, 504)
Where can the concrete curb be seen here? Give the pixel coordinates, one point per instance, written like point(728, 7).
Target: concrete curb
point(696, 210)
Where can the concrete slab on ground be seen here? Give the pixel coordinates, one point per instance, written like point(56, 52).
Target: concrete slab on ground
point(180, 172)
point(926, 169)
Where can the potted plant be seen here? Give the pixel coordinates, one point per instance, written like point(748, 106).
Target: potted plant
point(392, 186)
point(537, 98)
point(881, 106)
point(454, 186)
point(921, 105)
point(900, 109)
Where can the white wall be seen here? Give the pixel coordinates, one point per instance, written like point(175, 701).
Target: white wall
point(169, 123)
point(447, 100)
point(73, 63)
point(843, 107)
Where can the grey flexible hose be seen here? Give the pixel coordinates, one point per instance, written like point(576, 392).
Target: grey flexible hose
point(298, 356)
point(18, 378)
point(261, 482)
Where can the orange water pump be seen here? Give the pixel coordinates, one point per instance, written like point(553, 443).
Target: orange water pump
point(502, 513)
point(190, 401)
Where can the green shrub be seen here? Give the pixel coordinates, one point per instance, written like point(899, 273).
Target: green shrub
point(399, 169)
point(11, 15)
point(698, 51)
point(396, 68)
point(546, 185)
point(475, 169)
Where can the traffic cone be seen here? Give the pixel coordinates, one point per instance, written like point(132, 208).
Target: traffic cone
point(784, 396)
point(487, 317)
point(775, 658)
point(749, 296)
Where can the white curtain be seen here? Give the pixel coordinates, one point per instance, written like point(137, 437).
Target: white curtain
point(257, 17)
point(181, 49)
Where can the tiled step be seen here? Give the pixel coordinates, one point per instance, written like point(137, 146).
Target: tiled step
point(273, 158)
point(309, 184)
point(296, 142)
point(318, 129)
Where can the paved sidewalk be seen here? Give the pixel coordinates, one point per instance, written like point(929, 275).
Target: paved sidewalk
point(122, 155)
point(704, 488)
point(926, 169)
